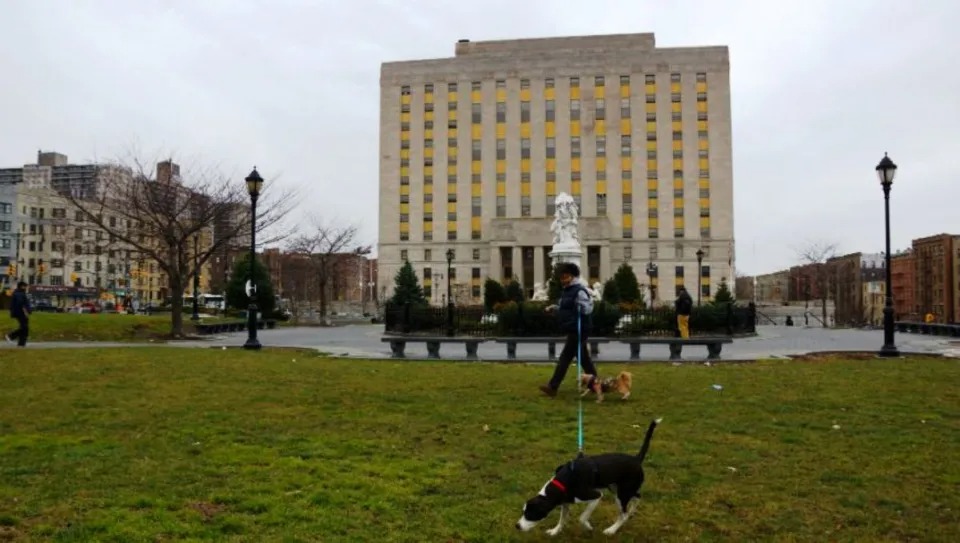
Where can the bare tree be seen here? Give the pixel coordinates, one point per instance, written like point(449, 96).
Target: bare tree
point(157, 214)
point(816, 254)
point(324, 248)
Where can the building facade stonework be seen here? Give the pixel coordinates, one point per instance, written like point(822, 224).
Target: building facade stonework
point(475, 148)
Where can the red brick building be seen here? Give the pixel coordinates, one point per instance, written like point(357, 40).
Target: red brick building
point(903, 280)
point(935, 280)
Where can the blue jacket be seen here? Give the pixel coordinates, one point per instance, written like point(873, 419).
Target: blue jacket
point(572, 297)
point(18, 303)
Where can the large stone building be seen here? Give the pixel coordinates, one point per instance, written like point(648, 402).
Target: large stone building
point(475, 148)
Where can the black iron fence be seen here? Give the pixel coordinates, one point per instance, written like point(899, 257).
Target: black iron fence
point(529, 319)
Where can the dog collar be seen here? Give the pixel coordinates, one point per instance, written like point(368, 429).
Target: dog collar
point(559, 485)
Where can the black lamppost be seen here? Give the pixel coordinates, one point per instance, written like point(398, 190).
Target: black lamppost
point(699, 274)
point(651, 274)
point(450, 255)
point(806, 302)
point(254, 184)
point(886, 171)
point(196, 278)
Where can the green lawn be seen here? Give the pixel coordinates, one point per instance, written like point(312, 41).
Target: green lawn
point(99, 327)
point(160, 444)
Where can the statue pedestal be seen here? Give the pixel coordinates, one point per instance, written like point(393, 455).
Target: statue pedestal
point(566, 252)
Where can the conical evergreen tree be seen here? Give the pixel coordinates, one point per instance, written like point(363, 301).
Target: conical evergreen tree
point(493, 294)
point(407, 289)
point(611, 294)
point(514, 291)
point(627, 286)
point(723, 294)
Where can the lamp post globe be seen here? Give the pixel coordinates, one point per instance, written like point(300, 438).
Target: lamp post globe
point(886, 171)
point(254, 185)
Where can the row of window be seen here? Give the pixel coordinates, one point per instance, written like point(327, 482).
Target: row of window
point(598, 81)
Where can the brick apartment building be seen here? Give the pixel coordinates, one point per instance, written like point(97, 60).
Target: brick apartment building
point(903, 281)
point(936, 267)
point(352, 283)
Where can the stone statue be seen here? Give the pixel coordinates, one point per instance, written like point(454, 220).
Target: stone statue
point(597, 291)
point(566, 218)
point(540, 292)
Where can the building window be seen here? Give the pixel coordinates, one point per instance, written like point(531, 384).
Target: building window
point(405, 90)
point(678, 272)
point(524, 83)
point(524, 206)
point(501, 112)
point(601, 145)
point(475, 85)
point(651, 174)
point(675, 97)
point(676, 116)
point(701, 97)
point(476, 254)
point(704, 193)
point(678, 212)
point(574, 147)
point(678, 233)
point(705, 271)
point(476, 115)
point(651, 154)
point(601, 109)
point(501, 149)
point(627, 204)
point(501, 84)
point(651, 136)
point(704, 211)
point(574, 110)
point(548, 83)
point(574, 81)
point(701, 115)
point(627, 233)
point(525, 111)
point(625, 145)
point(525, 148)
point(701, 78)
point(704, 174)
point(451, 235)
point(476, 147)
point(551, 148)
point(625, 80)
point(501, 206)
point(403, 255)
point(550, 111)
point(624, 108)
point(601, 205)
point(702, 134)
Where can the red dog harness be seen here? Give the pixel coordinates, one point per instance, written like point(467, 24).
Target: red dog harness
point(559, 485)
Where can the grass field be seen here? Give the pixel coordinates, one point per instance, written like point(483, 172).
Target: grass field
point(157, 444)
point(98, 327)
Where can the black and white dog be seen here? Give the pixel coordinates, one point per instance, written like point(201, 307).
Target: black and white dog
point(583, 480)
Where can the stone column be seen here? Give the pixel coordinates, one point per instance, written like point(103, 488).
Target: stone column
point(538, 265)
point(518, 263)
point(606, 271)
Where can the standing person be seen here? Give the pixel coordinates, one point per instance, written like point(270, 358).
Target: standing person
point(20, 310)
point(574, 299)
point(683, 305)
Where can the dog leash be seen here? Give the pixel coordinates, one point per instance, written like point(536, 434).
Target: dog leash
point(579, 385)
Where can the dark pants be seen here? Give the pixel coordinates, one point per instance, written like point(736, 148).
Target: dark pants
point(20, 334)
point(569, 354)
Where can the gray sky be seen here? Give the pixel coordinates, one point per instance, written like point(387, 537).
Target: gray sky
point(820, 90)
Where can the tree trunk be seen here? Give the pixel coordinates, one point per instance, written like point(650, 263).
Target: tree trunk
point(176, 307)
point(323, 301)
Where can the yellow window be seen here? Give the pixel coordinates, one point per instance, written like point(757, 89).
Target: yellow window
point(405, 99)
point(428, 115)
point(452, 152)
point(476, 189)
point(701, 86)
point(452, 96)
point(476, 131)
point(650, 108)
point(626, 186)
point(652, 203)
point(703, 144)
point(428, 152)
point(624, 91)
point(575, 187)
point(502, 189)
point(651, 164)
point(524, 189)
point(677, 183)
point(501, 131)
point(451, 132)
point(704, 203)
point(678, 164)
point(653, 222)
point(574, 128)
point(575, 164)
point(601, 163)
point(552, 188)
point(428, 207)
point(428, 134)
point(678, 222)
point(405, 135)
point(451, 207)
point(625, 128)
point(501, 95)
point(600, 127)
point(451, 226)
point(524, 165)
point(549, 94)
point(701, 125)
point(677, 145)
point(650, 88)
point(678, 280)
point(651, 126)
point(628, 220)
point(428, 170)
point(574, 93)
point(651, 146)
point(428, 189)
point(428, 98)
point(475, 96)
point(704, 222)
point(524, 95)
point(501, 166)
point(404, 208)
point(652, 184)
point(404, 227)
point(678, 202)
point(676, 125)
point(704, 183)
point(551, 165)
point(525, 130)
point(704, 163)
point(451, 188)
point(404, 189)
point(404, 170)
point(701, 106)
point(476, 166)
point(405, 117)
point(675, 87)
point(626, 163)
point(404, 153)
point(452, 115)
point(451, 169)
point(675, 106)
point(551, 129)
point(601, 187)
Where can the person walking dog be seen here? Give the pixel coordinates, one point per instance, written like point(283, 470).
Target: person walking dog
point(575, 303)
point(20, 310)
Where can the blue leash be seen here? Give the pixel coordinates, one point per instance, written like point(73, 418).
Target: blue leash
point(579, 386)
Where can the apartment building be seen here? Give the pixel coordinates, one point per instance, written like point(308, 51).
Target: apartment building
point(903, 279)
point(936, 261)
point(475, 148)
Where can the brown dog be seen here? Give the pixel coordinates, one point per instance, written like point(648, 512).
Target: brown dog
point(622, 383)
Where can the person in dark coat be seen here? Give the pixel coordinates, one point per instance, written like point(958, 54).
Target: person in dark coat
point(683, 305)
point(574, 300)
point(20, 310)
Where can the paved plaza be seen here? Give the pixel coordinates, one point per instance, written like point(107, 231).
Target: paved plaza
point(363, 341)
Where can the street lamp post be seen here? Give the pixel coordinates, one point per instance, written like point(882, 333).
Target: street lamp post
point(651, 274)
point(254, 184)
point(886, 171)
point(196, 278)
point(450, 255)
point(699, 274)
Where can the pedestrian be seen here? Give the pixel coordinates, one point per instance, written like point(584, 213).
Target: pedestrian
point(20, 310)
point(575, 304)
point(683, 305)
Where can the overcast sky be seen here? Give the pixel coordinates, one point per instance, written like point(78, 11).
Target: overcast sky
point(820, 90)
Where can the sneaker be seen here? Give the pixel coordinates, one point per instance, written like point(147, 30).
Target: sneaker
point(548, 390)
point(7, 337)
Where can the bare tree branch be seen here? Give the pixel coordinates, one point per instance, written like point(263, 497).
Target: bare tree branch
point(816, 255)
point(157, 212)
point(324, 248)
